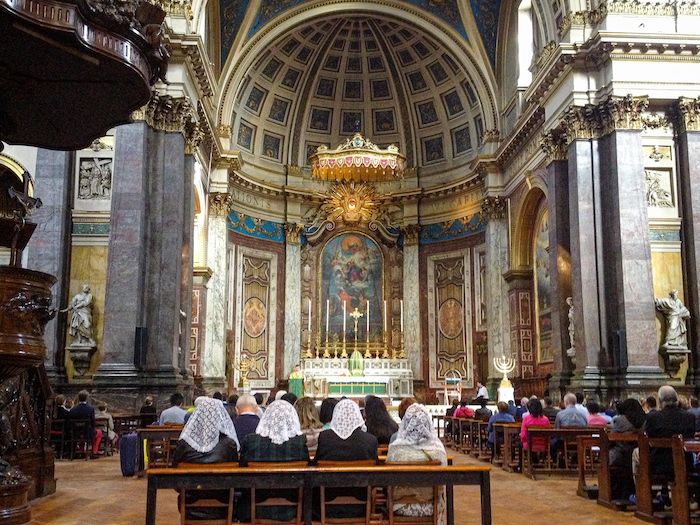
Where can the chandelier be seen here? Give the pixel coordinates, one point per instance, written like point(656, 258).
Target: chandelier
point(356, 160)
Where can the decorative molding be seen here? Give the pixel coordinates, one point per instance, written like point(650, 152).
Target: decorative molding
point(452, 229)
point(255, 227)
point(176, 7)
point(494, 207)
point(219, 203)
point(515, 146)
point(199, 68)
point(224, 131)
point(411, 234)
point(547, 51)
point(687, 114)
point(553, 144)
point(617, 113)
point(655, 121)
point(292, 232)
point(491, 135)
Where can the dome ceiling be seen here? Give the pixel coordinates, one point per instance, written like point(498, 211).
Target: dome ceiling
point(329, 78)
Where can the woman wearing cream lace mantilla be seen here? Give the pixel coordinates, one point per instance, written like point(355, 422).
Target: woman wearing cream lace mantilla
point(417, 442)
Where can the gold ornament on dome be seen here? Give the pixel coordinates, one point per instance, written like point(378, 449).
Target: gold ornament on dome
point(357, 159)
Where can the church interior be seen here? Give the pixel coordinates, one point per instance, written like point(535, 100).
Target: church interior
point(427, 199)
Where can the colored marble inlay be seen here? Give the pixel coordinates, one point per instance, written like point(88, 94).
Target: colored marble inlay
point(254, 227)
point(450, 230)
point(88, 228)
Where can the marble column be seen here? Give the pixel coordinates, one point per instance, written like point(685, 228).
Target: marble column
point(497, 317)
point(169, 225)
point(411, 300)
point(687, 112)
point(559, 260)
point(49, 248)
point(127, 260)
point(214, 351)
point(292, 298)
point(629, 292)
point(187, 277)
point(587, 272)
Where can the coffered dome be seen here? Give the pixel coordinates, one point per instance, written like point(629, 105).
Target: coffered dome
point(327, 78)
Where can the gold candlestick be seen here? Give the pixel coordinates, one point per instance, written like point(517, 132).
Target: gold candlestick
point(402, 348)
point(385, 354)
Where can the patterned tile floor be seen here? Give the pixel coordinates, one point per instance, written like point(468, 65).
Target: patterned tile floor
point(94, 492)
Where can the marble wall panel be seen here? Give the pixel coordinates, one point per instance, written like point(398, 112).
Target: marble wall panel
point(292, 307)
point(214, 351)
point(498, 324)
point(411, 299)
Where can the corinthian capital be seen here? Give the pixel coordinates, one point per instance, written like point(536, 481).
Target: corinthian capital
point(687, 114)
point(553, 143)
point(493, 208)
point(293, 233)
point(219, 203)
point(622, 113)
point(411, 234)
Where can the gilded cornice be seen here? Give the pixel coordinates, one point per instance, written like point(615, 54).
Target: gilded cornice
point(236, 179)
point(220, 203)
point(208, 134)
point(687, 114)
point(199, 68)
point(491, 135)
point(494, 207)
point(292, 233)
point(520, 136)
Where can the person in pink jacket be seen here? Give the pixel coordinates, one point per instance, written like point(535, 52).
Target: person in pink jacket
point(534, 418)
point(464, 410)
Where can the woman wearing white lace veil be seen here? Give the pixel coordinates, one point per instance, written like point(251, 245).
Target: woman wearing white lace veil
point(208, 436)
point(278, 438)
point(347, 439)
point(417, 442)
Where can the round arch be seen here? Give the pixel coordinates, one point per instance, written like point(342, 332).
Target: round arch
point(233, 72)
point(525, 226)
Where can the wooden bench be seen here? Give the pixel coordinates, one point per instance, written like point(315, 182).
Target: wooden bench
point(680, 513)
point(605, 495)
point(511, 448)
point(550, 465)
point(440, 423)
point(588, 457)
point(198, 477)
point(165, 436)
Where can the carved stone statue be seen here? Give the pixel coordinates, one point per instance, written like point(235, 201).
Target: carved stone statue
point(674, 348)
point(675, 313)
point(83, 345)
point(571, 352)
point(81, 319)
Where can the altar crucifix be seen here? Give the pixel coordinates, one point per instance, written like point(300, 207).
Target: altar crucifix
point(356, 364)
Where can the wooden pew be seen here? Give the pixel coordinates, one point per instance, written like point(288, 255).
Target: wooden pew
point(128, 423)
point(682, 482)
point(512, 447)
point(568, 435)
point(166, 435)
point(588, 457)
point(605, 495)
point(222, 477)
point(645, 481)
point(440, 423)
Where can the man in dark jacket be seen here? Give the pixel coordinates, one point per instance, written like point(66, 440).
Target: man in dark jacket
point(83, 411)
point(667, 422)
point(247, 419)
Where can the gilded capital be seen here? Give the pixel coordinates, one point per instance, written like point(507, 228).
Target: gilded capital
point(167, 113)
point(293, 233)
point(622, 113)
point(220, 203)
point(494, 208)
point(579, 122)
point(224, 131)
point(411, 234)
point(553, 144)
point(687, 114)
point(193, 136)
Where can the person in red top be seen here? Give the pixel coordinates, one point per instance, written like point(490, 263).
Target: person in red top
point(464, 410)
point(534, 418)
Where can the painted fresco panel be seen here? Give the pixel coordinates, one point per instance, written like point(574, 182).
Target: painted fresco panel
point(543, 289)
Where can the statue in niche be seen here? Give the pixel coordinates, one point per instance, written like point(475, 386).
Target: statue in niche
point(81, 317)
point(571, 352)
point(675, 345)
point(675, 313)
point(657, 195)
point(95, 179)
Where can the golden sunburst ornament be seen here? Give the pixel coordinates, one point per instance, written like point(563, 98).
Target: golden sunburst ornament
point(352, 202)
point(357, 159)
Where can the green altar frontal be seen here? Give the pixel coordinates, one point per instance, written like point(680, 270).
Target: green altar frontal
point(356, 388)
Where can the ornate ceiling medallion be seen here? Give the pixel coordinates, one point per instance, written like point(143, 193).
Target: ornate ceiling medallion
point(358, 159)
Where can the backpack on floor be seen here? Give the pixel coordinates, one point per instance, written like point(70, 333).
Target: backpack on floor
point(127, 453)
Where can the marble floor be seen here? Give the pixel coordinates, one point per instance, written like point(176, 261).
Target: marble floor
point(94, 492)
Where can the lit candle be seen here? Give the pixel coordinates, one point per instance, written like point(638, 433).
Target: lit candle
point(328, 307)
point(401, 315)
point(344, 310)
point(368, 320)
point(309, 315)
point(385, 316)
